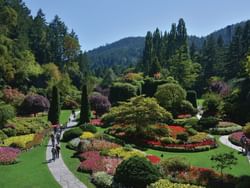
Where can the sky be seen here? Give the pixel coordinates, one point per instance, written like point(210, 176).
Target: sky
point(99, 22)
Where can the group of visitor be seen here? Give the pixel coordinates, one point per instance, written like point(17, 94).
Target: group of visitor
point(55, 140)
point(244, 144)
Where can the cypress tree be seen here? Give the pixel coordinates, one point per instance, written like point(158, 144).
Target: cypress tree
point(54, 110)
point(85, 109)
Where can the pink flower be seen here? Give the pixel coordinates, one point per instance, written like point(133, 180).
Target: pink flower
point(8, 155)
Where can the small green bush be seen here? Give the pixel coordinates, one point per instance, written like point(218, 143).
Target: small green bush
point(73, 144)
point(191, 131)
point(136, 172)
point(182, 136)
point(168, 140)
point(6, 112)
point(246, 130)
point(208, 122)
point(102, 180)
point(89, 128)
point(9, 131)
point(176, 164)
point(72, 133)
point(2, 136)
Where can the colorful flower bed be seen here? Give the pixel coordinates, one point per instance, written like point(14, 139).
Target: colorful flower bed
point(235, 138)
point(19, 141)
point(175, 129)
point(154, 159)
point(94, 162)
point(125, 153)
point(164, 183)
point(96, 122)
point(96, 145)
point(87, 135)
point(224, 128)
point(8, 155)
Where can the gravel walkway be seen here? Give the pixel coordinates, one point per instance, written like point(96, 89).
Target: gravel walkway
point(224, 140)
point(59, 170)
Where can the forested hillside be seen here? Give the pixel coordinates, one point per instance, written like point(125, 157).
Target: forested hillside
point(125, 52)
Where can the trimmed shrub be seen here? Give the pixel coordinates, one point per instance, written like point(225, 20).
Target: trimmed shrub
point(89, 128)
point(73, 144)
point(136, 172)
point(102, 180)
point(208, 122)
point(122, 92)
point(170, 165)
point(182, 136)
point(168, 140)
point(192, 97)
point(87, 135)
point(2, 136)
point(72, 133)
point(6, 112)
point(150, 86)
point(226, 130)
point(8, 155)
point(185, 107)
point(9, 131)
point(191, 131)
point(164, 183)
point(212, 104)
point(246, 130)
point(33, 104)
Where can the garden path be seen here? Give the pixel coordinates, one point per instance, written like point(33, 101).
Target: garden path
point(59, 170)
point(224, 140)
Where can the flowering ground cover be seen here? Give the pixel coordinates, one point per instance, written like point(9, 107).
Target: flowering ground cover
point(8, 155)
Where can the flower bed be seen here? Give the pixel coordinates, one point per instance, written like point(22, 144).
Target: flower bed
point(154, 159)
point(201, 146)
point(87, 135)
point(94, 162)
point(164, 183)
point(176, 129)
point(96, 145)
point(8, 155)
point(19, 141)
point(125, 153)
point(96, 122)
point(235, 138)
point(224, 128)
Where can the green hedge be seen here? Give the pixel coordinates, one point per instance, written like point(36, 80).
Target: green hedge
point(72, 133)
point(226, 130)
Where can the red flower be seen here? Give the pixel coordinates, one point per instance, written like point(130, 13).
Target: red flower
point(175, 129)
point(154, 159)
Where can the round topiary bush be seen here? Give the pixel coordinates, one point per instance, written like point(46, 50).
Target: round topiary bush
point(136, 172)
point(72, 133)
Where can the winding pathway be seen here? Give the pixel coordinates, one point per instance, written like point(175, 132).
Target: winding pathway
point(59, 170)
point(224, 140)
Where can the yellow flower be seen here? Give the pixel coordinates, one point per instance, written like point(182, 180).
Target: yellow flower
point(86, 135)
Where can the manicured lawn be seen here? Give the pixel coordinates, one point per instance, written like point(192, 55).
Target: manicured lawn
point(200, 102)
point(202, 159)
point(64, 116)
point(73, 163)
point(31, 171)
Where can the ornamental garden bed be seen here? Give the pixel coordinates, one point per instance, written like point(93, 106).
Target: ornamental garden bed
point(224, 128)
point(235, 138)
point(167, 138)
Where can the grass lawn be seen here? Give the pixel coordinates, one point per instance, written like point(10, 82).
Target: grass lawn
point(73, 163)
point(202, 159)
point(64, 116)
point(200, 102)
point(31, 171)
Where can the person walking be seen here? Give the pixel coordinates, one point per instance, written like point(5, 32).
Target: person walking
point(58, 136)
point(53, 152)
point(57, 150)
point(53, 140)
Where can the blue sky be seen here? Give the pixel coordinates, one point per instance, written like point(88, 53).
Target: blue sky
point(98, 22)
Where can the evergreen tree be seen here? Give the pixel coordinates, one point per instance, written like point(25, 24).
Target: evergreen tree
point(181, 34)
point(155, 67)
point(147, 53)
point(85, 108)
point(157, 43)
point(108, 79)
point(54, 110)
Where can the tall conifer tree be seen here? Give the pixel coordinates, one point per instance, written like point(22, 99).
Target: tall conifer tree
point(54, 110)
point(85, 108)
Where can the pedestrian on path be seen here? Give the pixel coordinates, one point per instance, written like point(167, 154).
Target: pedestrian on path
point(58, 136)
point(53, 152)
point(57, 151)
point(243, 142)
point(53, 140)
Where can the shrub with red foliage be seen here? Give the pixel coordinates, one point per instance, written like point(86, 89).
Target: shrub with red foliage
point(99, 103)
point(154, 159)
point(13, 96)
point(33, 104)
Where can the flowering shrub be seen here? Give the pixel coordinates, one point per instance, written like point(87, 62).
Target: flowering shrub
point(19, 141)
point(96, 122)
point(175, 129)
point(183, 116)
point(8, 155)
point(164, 183)
point(102, 179)
point(154, 159)
point(87, 135)
point(97, 145)
point(13, 96)
point(235, 138)
point(125, 153)
point(94, 162)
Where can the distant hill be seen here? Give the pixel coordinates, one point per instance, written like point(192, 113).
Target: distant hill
point(128, 51)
